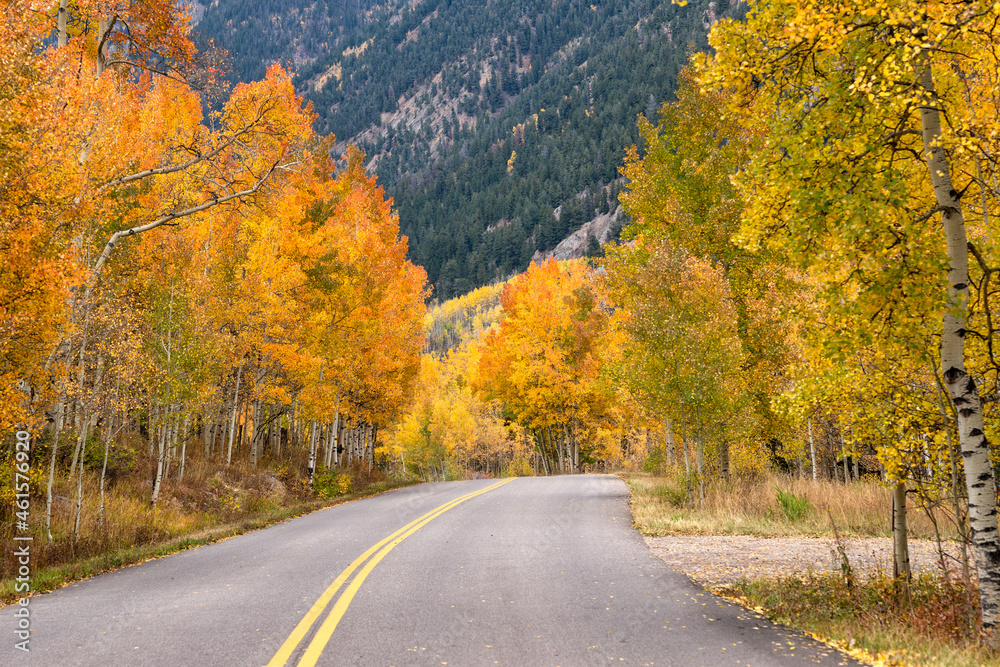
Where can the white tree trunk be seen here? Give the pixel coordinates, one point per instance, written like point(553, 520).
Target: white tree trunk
point(63, 33)
point(844, 457)
point(81, 437)
point(331, 450)
point(84, 433)
point(254, 440)
point(979, 479)
point(812, 449)
point(161, 452)
point(153, 415)
point(338, 439)
point(216, 428)
point(576, 449)
point(668, 440)
point(52, 474)
point(79, 482)
point(104, 472)
point(687, 458)
point(102, 30)
point(60, 411)
point(567, 441)
point(205, 434)
point(331, 443)
point(311, 469)
point(106, 435)
point(244, 427)
point(900, 545)
point(184, 431)
point(171, 439)
point(558, 451)
point(232, 419)
point(699, 458)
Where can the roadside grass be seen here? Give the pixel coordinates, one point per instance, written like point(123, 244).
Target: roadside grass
point(208, 505)
point(770, 506)
point(865, 619)
point(861, 614)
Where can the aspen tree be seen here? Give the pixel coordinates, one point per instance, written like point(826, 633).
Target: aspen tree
point(680, 349)
point(680, 195)
point(854, 99)
point(812, 450)
point(232, 419)
point(543, 360)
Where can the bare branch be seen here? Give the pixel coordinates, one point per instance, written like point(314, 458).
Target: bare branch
point(159, 222)
point(190, 163)
point(929, 214)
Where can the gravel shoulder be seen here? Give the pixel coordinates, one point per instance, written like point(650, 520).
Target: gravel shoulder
point(716, 560)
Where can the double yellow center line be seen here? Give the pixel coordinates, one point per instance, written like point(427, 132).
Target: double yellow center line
point(322, 636)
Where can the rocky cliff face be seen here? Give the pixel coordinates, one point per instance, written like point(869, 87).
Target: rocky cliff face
point(575, 245)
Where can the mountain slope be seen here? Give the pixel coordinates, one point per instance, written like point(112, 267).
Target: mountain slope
point(296, 32)
point(498, 128)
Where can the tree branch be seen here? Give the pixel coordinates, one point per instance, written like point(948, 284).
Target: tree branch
point(174, 215)
point(157, 171)
point(929, 214)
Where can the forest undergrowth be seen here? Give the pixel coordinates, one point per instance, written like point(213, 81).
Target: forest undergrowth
point(210, 503)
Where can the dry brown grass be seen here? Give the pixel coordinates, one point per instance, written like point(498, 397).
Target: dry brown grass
point(933, 629)
point(862, 614)
point(749, 506)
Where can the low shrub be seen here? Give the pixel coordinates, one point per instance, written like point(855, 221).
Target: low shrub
point(331, 484)
point(795, 507)
point(671, 495)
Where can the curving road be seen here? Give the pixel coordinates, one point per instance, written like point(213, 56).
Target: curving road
point(531, 571)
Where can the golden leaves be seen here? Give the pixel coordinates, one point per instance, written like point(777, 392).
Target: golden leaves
point(299, 272)
point(543, 359)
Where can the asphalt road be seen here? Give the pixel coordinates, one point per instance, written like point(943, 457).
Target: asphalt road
point(534, 571)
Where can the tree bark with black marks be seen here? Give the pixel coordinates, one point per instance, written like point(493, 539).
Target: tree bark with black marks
point(979, 479)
